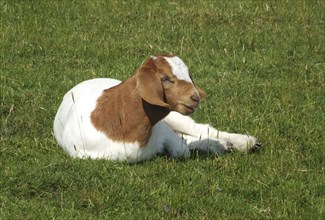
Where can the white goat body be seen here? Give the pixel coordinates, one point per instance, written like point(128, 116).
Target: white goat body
point(82, 125)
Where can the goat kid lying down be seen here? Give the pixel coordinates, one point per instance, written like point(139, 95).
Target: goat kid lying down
point(141, 117)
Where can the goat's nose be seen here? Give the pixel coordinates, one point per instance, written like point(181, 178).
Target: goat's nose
point(195, 98)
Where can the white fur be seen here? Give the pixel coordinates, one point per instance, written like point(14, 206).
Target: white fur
point(179, 68)
point(176, 134)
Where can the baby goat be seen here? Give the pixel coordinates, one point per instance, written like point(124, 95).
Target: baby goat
point(141, 117)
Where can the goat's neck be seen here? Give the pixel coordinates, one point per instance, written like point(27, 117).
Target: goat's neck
point(124, 116)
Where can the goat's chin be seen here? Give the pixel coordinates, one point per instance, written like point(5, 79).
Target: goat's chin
point(185, 109)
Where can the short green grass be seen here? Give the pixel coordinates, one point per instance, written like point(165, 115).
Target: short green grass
point(261, 62)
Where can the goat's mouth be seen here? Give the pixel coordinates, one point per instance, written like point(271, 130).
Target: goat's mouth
point(189, 109)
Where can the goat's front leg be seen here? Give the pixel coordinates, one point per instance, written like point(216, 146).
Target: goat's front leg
point(186, 125)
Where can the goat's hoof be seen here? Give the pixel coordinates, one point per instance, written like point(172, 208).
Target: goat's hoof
point(229, 147)
point(256, 147)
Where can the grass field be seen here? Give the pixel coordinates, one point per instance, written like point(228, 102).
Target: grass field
point(262, 64)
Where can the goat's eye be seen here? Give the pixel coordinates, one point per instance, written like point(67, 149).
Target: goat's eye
point(166, 79)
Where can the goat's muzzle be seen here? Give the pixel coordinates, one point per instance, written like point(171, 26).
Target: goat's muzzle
point(190, 106)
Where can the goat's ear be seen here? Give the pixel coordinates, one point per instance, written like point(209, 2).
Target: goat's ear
point(149, 84)
point(200, 91)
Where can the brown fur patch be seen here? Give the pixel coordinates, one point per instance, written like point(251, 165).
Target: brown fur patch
point(124, 116)
point(163, 68)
